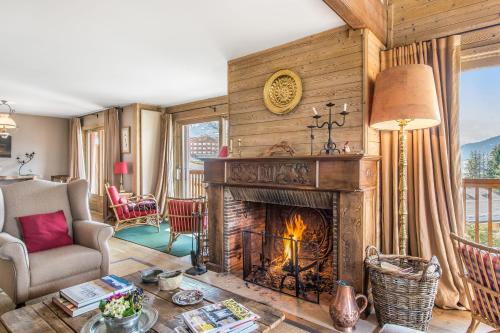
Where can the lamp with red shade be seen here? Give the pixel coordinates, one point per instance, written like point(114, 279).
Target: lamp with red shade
point(121, 168)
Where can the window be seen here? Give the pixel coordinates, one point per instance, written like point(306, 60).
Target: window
point(480, 152)
point(94, 160)
point(200, 140)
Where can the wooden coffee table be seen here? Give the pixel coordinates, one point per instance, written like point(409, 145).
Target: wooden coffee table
point(47, 317)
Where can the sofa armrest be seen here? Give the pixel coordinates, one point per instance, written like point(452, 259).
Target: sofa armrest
point(94, 235)
point(14, 268)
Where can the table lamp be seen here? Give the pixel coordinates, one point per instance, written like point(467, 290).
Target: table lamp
point(404, 99)
point(121, 168)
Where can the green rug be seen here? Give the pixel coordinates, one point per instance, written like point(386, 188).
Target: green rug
point(148, 236)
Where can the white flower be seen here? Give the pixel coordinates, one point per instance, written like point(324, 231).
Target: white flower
point(116, 308)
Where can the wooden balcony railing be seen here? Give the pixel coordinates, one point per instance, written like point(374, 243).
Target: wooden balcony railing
point(196, 186)
point(482, 209)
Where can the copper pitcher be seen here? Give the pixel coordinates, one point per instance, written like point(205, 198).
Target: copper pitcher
point(344, 308)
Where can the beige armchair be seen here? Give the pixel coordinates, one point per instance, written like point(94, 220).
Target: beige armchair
point(24, 275)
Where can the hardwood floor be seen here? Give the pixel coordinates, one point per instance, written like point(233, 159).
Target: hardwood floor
point(302, 316)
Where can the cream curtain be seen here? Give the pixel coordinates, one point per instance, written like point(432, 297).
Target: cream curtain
point(165, 176)
point(76, 155)
point(435, 206)
point(112, 152)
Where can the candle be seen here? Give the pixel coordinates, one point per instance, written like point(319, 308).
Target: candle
point(345, 106)
point(231, 145)
point(315, 111)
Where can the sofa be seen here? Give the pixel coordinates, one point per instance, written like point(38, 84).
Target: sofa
point(25, 276)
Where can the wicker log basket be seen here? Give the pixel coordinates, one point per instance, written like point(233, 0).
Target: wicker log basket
point(405, 295)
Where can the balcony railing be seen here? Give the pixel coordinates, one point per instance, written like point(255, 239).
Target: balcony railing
point(196, 186)
point(482, 210)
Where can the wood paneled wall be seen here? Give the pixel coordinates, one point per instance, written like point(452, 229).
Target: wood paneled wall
point(330, 65)
point(419, 20)
point(371, 67)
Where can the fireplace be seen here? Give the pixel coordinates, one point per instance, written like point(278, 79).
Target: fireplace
point(285, 240)
point(292, 252)
point(292, 225)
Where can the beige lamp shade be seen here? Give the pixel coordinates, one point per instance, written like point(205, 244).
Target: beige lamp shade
point(6, 122)
point(405, 93)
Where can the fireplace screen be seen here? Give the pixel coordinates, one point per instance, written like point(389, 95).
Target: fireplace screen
point(284, 263)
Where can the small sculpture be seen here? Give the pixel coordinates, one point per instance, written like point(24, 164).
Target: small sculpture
point(346, 148)
point(344, 308)
point(23, 162)
point(279, 149)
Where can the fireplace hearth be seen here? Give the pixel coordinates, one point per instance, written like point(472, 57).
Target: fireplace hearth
point(296, 275)
point(295, 225)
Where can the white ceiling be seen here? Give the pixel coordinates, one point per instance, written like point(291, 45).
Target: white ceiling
point(71, 57)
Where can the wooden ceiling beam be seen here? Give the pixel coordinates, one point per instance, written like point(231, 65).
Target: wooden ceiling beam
point(359, 14)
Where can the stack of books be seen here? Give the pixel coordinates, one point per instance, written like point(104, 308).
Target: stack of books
point(85, 297)
point(224, 317)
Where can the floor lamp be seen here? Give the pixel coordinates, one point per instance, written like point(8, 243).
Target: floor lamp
point(404, 99)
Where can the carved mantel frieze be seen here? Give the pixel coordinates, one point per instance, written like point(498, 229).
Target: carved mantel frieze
point(283, 173)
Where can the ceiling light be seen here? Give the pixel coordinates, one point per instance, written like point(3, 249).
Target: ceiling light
point(7, 124)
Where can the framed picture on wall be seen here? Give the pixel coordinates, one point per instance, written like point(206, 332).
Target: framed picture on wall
point(6, 146)
point(125, 140)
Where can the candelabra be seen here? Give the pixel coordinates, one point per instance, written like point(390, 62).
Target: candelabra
point(330, 147)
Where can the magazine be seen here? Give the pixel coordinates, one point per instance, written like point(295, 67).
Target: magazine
point(226, 316)
point(94, 291)
point(71, 309)
point(244, 328)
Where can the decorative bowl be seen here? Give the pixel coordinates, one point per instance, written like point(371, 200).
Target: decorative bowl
point(147, 318)
point(187, 297)
point(123, 325)
point(170, 280)
point(150, 275)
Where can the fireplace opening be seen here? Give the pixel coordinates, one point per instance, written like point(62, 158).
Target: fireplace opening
point(292, 252)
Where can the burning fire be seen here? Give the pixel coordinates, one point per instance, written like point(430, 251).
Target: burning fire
point(295, 228)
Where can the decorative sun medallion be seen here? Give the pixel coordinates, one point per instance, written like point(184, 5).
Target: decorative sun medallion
point(282, 91)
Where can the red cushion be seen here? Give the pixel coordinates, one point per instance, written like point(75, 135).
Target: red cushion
point(113, 195)
point(45, 231)
point(484, 268)
point(133, 214)
point(123, 201)
point(181, 215)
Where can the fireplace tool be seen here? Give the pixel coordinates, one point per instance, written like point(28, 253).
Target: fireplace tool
point(330, 147)
point(197, 257)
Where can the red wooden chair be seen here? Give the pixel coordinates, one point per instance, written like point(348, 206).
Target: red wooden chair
point(134, 211)
point(480, 272)
point(183, 218)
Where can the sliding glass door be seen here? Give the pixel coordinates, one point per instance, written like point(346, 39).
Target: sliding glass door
point(199, 140)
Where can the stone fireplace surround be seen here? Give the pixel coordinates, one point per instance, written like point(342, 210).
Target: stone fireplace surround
point(239, 189)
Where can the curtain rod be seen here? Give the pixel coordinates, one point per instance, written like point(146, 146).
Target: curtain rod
point(213, 107)
point(99, 111)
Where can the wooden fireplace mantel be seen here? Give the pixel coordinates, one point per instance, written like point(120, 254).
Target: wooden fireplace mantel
point(353, 177)
point(350, 172)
